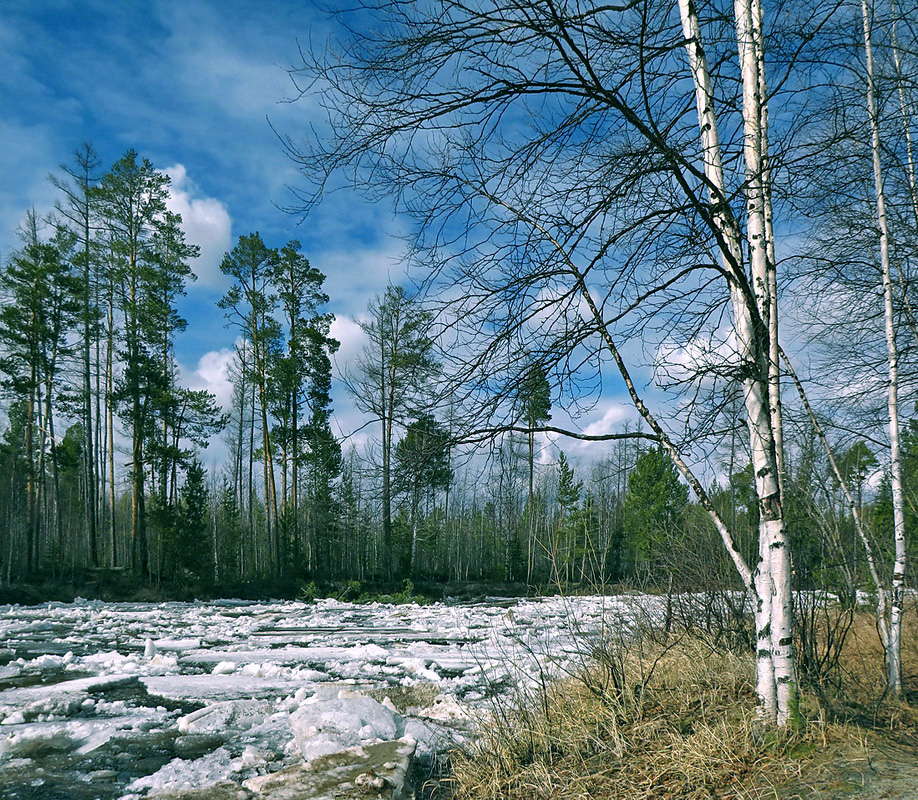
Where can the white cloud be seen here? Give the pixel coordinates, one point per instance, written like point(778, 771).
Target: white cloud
point(612, 417)
point(352, 338)
point(212, 374)
point(355, 274)
point(206, 223)
point(683, 362)
point(26, 153)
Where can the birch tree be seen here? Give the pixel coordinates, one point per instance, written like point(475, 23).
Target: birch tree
point(553, 166)
point(891, 630)
point(861, 202)
point(776, 683)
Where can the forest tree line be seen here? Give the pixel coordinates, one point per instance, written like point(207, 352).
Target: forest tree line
point(101, 452)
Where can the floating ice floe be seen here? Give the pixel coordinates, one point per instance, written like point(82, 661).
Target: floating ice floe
point(257, 695)
point(321, 726)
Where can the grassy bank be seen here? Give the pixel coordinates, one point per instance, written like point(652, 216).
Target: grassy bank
point(674, 718)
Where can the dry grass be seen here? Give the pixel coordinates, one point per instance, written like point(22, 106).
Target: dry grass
point(675, 719)
point(862, 699)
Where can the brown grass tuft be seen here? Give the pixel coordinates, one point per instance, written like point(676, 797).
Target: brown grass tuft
point(675, 719)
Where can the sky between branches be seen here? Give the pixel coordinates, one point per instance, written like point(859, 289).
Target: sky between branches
point(196, 87)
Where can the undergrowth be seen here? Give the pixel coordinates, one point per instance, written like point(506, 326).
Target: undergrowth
point(352, 592)
point(673, 717)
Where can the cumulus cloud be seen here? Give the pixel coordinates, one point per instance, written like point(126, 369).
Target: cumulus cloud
point(206, 223)
point(352, 338)
point(699, 356)
point(212, 374)
point(613, 415)
point(376, 266)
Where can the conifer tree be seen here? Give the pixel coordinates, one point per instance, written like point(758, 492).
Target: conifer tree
point(249, 305)
point(41, 308)
point(149, 260)
point(391, 375)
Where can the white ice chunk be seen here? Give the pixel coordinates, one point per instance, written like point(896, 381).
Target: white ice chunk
point(232, 715)
point(50, 662)
point(328, 726)
point(216, 687)
point(177, 644)
point(181, 774)
point(83, 736)
point(446, 709)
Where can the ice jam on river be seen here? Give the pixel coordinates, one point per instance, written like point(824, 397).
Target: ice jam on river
point(235, 699)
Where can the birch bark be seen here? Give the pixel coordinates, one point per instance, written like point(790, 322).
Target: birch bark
point(754, 319)
point(772, 534)
point(893, 650)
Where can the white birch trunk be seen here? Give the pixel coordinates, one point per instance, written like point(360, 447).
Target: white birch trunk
point(775, 677)
point(893, 650)
point(910, 315)
point(772, 535)
point(771, 264)
point(904, 110)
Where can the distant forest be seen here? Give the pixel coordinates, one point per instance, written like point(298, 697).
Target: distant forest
point(100, 454)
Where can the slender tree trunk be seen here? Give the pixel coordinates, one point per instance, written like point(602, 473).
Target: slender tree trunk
point(856, 513)
point(44, 512)
point(31, 494)
point(110, 422)
point(99, 454)
point(270, 490)
point(904, 111)
point(295, 472)
point(387, 421)
point(89, 451)
point(139, 544)
point(250, 501)
point(893, 654)
point(260, 359)
point(55, 476)
point(776, 680)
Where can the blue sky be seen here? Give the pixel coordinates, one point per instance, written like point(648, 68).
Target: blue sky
point(196, 87)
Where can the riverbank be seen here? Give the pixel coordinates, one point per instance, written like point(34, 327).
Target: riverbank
point(668, 717)
point(119, 585)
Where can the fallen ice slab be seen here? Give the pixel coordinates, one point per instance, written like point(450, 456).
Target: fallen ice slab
point(58, 699)
point(177, 644)
point(371, 771)
point(91, 685)
point(230, 715)
point(217, 687)
point(82, 736)
point(327, 726)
